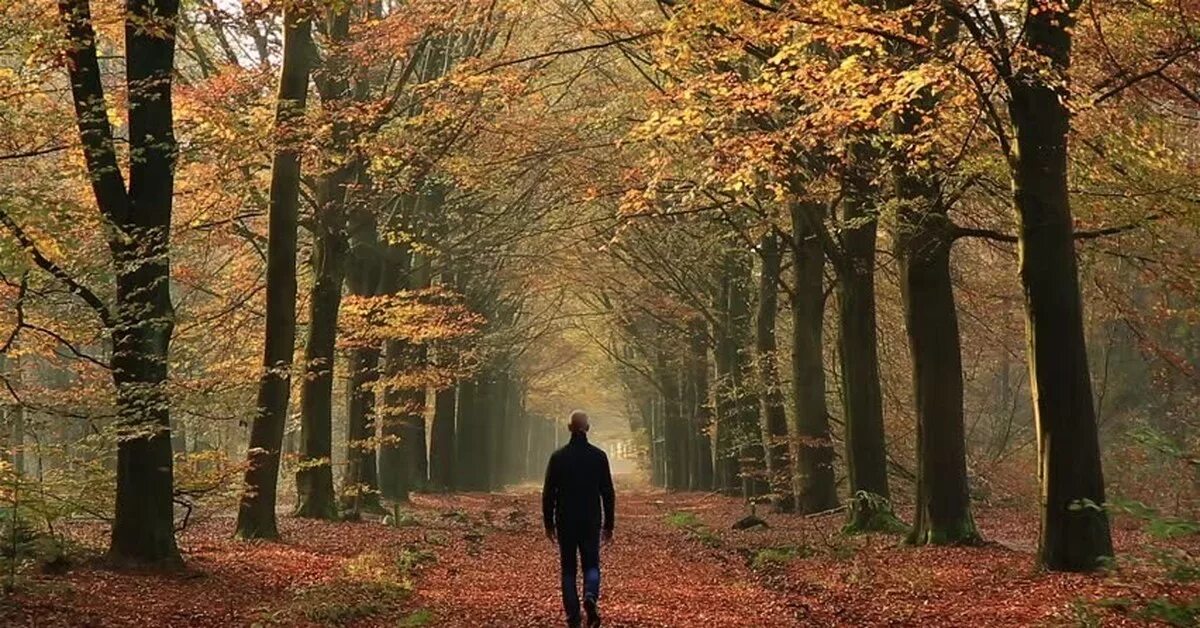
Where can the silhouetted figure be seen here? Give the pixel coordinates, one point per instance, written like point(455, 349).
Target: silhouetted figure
point(578, 483)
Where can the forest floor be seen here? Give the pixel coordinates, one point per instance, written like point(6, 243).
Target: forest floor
point(480, 560)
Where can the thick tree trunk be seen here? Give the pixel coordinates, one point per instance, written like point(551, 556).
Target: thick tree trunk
point(813, 450)
point(924, 236)
point(256, 510)
point(143, 529)
point(943, 513)
point(771, 397)
point(1075, 533)
point(862, 400)
point(142, 320)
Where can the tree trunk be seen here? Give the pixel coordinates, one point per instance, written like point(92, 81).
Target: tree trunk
point(699, 412)
point(363, 276)
point(142, 320)
point(739, 436)
point(256, 510)
point(441, 442)
point(314, 479)
point(143, 529)
point(943, 514)
point(1075, 532)
point(924, 236)
point(402, 466)
point(771, 398)
point(360, 486)
point(813, 450)
point(672, 422)
point(862, 400)
point(468, 438)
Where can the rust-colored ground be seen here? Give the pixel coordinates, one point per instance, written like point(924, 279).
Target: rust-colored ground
point(481, 560)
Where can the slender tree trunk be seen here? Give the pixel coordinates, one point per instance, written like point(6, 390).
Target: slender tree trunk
point(771, 398)
point(672, 422)
point(481, 443)
point(496, 425)
point(441, 441)
point(862, 399)
point(466, 452)
point(813, 454)
point(700, 413)
point(256, 510)
point(725, 469)
point(314, 479)
point(360, 484)
point(1075, 533)
point(739, 434)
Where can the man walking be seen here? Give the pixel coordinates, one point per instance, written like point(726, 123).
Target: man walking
point(578, 483)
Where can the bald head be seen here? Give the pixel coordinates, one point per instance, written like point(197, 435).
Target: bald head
point(578, 423)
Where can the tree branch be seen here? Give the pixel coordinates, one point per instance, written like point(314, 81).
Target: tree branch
point(57, 271)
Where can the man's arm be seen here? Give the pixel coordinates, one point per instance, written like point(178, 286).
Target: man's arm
point(549, 496)
point(607, 495)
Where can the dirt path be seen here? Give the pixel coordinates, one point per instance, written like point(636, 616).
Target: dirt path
point(652, 575)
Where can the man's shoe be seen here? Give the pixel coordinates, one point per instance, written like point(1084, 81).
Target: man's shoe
point(575, 624)
point(593, 611)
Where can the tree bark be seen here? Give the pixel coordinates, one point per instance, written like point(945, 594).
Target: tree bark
point(441, 441)
point(314, 479)
point(862, 399)
point(1075, 534)
point(468, 442)
point(924, 237)
point(771, 398)
point(402, 463)
point(256, 510)
point(699, 412)
point(739, 436)
point(142, 320)
point(813, 454)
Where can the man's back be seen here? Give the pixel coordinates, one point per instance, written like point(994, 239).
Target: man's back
point(578, 484)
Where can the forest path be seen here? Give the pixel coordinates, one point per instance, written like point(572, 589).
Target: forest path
point(656, 573)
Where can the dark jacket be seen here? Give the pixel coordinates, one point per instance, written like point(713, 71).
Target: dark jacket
point(578, 481)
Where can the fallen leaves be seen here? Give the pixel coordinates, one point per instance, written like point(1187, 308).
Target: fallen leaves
point(481, 560)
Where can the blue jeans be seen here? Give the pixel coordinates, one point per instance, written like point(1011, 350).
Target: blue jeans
point(584, 546)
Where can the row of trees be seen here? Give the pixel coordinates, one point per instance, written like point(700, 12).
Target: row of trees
point(790, 144)
point(380, 249)
point(459, 215)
